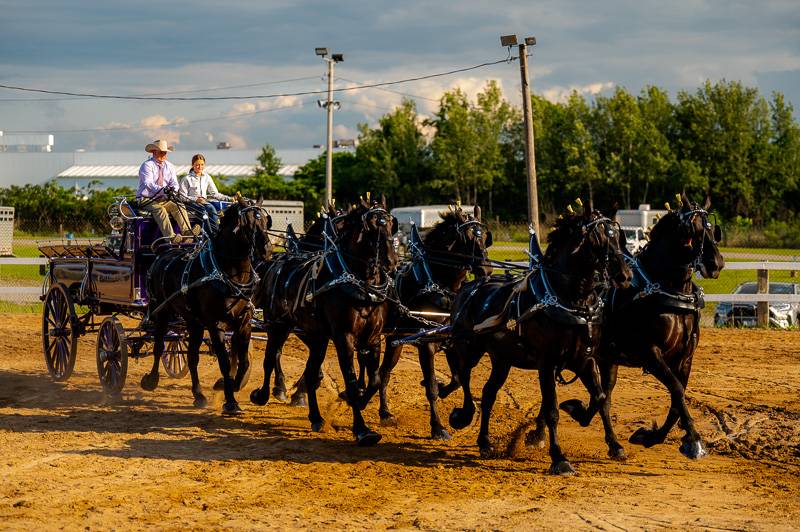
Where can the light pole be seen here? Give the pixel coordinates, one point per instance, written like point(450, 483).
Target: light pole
point(329, 105)
point(530, 154)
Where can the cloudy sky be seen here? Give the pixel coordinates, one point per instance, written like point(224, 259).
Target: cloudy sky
point(213, 48)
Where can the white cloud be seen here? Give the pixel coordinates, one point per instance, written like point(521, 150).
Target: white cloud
point(561, 94)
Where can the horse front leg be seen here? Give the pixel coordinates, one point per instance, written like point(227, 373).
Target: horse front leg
point(427, 352)
point(276, 337)
point(217, 335)
point(240, 351)
point(345, 348)
point(559, 465)
point(149, 381)
point(369, 361)
point(312, 378)
point(692, 444)
point(390, 358)
point(498, 376)
point(598, 381)
point(193, 359)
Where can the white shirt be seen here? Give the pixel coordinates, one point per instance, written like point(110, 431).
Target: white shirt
point(194, 186)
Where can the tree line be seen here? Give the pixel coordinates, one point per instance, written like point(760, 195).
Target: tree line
point(724, 141)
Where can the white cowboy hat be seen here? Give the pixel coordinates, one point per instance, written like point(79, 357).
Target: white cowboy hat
point(158, 145)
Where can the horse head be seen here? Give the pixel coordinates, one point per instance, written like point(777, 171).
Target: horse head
point(461, 239)
point(246, 223)
point(586, 243)
point(685, 236)
point(367, 236)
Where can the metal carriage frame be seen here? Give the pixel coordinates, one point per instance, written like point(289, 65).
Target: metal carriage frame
point(108, 279)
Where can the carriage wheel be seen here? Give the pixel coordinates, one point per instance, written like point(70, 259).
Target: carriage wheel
point(59, 334)
point(174, 358)
point(112, 355)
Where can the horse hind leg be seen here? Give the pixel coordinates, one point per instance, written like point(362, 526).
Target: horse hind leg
point(149, 381)
point(498, 376)
point(193, 359)
point(276, 337)
point(230, 407)
point(427, 352)
point(390, 358)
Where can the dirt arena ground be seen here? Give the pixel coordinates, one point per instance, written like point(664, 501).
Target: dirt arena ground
point(69, 459)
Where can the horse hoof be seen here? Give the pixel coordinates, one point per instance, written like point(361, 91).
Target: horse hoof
point(562, 468)
point(231, 409)
point(459, 418)
point(259, 398)
point(368, 438)
point(617, 454)
point(388, 420)
point(200, 401)
point(317, 426)
point(694, 450)
point(488, 452)
point(535, 438)
point(220, 384)
point(149, 383)
point(576, 410)
point(643, 437)
point(440, 434)
point(298, 400)
point(279, 394)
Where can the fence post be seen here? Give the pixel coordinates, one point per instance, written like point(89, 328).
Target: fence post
point(762, 307)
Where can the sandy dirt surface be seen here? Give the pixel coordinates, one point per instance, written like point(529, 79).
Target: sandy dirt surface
point(71, 459)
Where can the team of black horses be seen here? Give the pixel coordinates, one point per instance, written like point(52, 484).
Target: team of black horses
point(585, 305)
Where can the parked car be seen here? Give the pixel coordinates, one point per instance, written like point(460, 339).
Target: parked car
point(782, 315)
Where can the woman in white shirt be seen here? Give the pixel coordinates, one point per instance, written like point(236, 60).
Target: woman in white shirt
point(199, 187)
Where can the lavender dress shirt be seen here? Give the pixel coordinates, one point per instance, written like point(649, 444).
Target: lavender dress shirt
point(148, 178)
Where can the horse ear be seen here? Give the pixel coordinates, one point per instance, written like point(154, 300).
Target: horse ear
point(707, 203)
point(477, 213)
point(383, 200)
point(260, 200)
point(685, 200)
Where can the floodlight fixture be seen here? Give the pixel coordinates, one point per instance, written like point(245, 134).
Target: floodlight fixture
point(530, 41)
point(338, 58)
point(321, 51)
point(508, 40)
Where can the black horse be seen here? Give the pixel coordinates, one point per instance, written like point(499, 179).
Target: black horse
point(655, 323)
point(208, 287)
point(340, 295)
point(455, 246)
point(550, 321)
point(305, 248)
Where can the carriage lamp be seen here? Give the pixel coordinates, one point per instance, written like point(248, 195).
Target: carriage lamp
point(321, 51)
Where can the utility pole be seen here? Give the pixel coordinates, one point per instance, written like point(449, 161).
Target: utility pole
point(530, 154)
point(329, 106)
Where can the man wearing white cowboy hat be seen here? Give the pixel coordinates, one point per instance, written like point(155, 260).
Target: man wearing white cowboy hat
point(155, 175)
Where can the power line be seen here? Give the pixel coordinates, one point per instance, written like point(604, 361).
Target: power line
point(415, 96)
point(188, 91)
point(256, 96)
point(169, 124)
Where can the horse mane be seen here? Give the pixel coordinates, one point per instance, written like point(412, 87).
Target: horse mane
point(438, 233)
point(665, 225)
point(563, 232)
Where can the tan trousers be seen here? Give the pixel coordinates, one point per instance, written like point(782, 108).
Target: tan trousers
point(161, 211)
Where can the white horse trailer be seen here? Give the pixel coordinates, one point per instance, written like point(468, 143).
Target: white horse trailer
point(6, 231)
point(284, 213)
